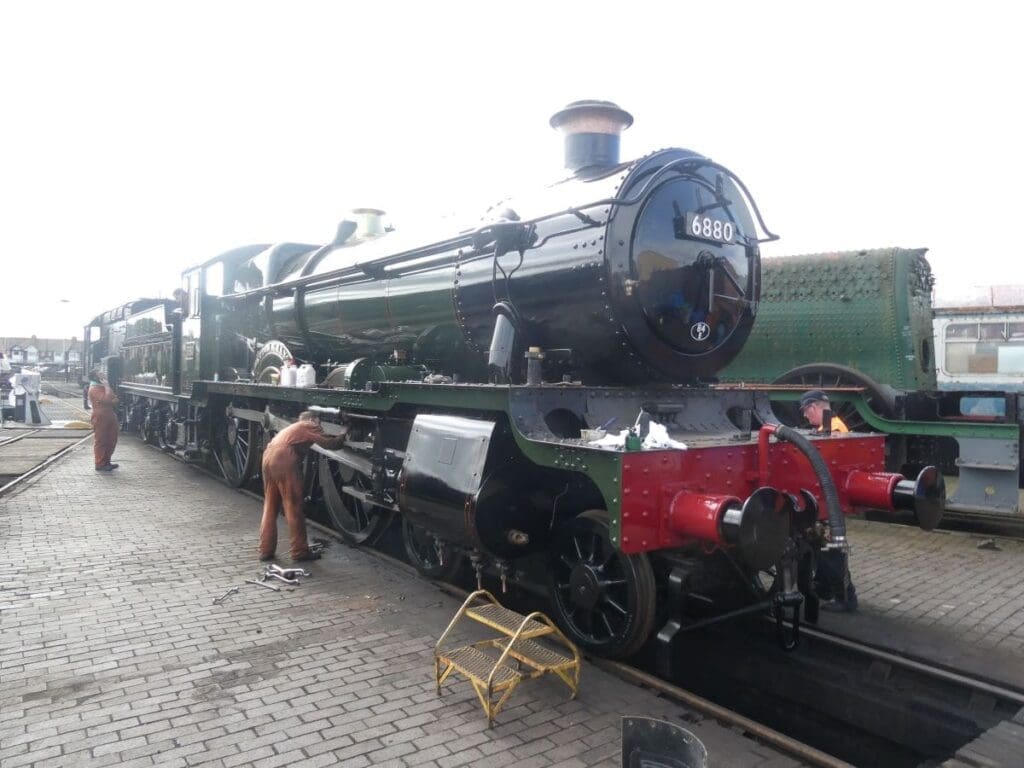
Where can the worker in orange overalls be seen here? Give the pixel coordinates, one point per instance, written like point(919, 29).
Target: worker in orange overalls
point(282, 484)
point(104, 420)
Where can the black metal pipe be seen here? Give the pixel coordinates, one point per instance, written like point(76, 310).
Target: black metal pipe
point(499, 357)
point(836, 521)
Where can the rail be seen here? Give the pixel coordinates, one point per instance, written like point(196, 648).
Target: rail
point(40, 467)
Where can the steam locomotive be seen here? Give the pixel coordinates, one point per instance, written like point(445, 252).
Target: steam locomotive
point(478, 369)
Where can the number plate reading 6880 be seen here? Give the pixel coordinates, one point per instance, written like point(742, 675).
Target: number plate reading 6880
point(709, 228)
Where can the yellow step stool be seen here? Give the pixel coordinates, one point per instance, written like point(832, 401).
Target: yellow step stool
point(514, 655)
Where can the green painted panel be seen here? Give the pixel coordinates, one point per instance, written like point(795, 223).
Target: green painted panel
point(868, 310)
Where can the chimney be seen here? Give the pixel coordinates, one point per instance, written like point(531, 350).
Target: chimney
point(592, 130)
point(369, 222)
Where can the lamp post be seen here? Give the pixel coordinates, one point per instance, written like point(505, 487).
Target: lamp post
point(64, 344)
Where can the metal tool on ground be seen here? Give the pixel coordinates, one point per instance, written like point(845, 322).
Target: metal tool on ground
point(269, 574)
point(497, 665)
point(261, 584)
point(318, 545)
point(288, 573)
point(224, 596)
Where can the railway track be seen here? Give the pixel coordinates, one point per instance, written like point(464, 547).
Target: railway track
point(63, 390)
point(869, 705)
point(27, 451)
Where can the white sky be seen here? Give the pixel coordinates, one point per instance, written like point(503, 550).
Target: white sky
point(138, 138)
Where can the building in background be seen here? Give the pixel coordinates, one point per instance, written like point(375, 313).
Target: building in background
point(35, 351)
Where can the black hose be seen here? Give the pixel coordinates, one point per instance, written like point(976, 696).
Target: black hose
point(836, 521)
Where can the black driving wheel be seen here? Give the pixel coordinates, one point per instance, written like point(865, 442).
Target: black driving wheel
point(427, 557)
point(135, 419)
point(166, 434)
point(881, 399)
point(142, 423)
point(603, 598)
point(357, 521)
point(152, 426)
point(239, 447)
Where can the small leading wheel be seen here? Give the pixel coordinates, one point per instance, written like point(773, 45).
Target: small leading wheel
point(356, 521)
point(603, 598)
point(238, 450)
point(433, 560)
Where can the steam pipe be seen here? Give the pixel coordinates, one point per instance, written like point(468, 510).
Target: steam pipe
point(499, 357)
point(836, 521)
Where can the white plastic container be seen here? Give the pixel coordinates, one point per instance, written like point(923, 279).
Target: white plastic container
point(289, 375)
point(306, 376)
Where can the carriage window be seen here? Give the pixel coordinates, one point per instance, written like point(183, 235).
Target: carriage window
point(985, 348)
point(971, 357)
point(1011, 359)
point(962, 331)
point(992, 331)
point(983, 406)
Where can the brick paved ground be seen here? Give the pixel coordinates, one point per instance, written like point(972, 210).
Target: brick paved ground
point(111, 652)
point(939, 595)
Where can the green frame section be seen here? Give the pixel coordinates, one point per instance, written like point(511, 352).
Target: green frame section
point(602, 467)
point(928, 428)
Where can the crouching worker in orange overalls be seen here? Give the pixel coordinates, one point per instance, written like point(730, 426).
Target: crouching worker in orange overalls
point(282, 484)
point(105, 426)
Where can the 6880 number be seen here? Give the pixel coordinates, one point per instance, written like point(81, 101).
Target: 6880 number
point(709, 228)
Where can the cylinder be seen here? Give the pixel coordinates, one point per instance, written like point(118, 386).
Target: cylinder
point(871, 489)
point(698, 516)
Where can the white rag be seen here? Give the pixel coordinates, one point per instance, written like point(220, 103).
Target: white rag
point(657, 437)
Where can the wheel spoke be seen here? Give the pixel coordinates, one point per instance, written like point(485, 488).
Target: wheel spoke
point(609, 601)
point(578, 548)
